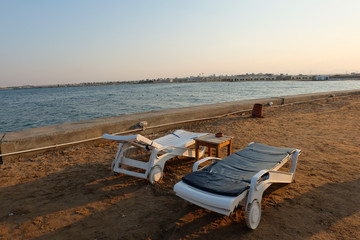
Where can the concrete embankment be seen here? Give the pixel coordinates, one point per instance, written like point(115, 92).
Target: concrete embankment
point(32, 140)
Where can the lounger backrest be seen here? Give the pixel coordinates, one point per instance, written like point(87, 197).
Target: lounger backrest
point(179, 138)
point(141, 140)
point(232, 175)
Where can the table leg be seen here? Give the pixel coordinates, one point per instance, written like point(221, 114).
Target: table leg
point(230, 147)
point(197, 151)
point(218, 151)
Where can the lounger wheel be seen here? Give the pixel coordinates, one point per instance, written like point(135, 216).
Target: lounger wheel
point(156, 174)
point(253, 215)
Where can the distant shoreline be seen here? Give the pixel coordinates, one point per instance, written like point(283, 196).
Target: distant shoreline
point(344, 77)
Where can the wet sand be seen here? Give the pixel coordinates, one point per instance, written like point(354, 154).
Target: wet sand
point(71, 193)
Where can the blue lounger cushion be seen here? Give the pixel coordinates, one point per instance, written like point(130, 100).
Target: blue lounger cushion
point(232, 175)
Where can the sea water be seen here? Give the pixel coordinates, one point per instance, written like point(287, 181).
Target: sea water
point(35, 107)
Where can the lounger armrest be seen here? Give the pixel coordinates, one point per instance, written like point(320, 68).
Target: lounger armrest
point(163, 148)
point(253, 194)
point(167, 149)
point(145, 140)
point(197, 163)
point(294, 158)
point(257, 176)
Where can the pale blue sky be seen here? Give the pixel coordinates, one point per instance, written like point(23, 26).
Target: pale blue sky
point(51, 42)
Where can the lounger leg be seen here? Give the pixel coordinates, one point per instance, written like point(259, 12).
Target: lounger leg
point(294, 158)
point(117, 158)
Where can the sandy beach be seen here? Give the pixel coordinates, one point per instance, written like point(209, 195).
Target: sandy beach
point(71, 193)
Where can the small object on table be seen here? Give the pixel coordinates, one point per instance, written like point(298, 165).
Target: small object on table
point(212, 141)
point(219, 134)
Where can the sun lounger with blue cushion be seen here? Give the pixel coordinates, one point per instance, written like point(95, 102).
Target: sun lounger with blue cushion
point(239, 179)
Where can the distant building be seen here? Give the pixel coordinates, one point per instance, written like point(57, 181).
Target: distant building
point(321, 78)
point(165, 80)
point(302, 77)
point(253, 77)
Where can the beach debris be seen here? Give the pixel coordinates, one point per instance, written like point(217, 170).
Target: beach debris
point(269, 104)
point(143, 125)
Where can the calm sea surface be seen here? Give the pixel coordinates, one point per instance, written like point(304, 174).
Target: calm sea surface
point(29, 108)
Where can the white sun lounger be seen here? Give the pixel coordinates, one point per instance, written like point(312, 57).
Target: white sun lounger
point(239, 179)
point(162, 149)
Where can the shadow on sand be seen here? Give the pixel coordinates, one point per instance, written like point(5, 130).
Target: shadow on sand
point(307, 214)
